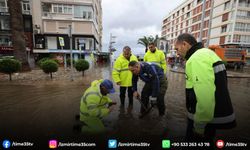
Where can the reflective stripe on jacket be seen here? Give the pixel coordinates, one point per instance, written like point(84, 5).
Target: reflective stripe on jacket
point(121, 73)
point(207, 96)
point(93, 103)
point(157, 57)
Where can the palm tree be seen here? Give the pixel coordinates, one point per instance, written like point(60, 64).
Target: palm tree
point(146, 40)
point(18, 38)
point(143, 41)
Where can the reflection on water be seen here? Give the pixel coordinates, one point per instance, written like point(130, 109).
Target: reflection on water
point(49, 108)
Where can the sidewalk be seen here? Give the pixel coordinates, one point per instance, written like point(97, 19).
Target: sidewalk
point(230, 74)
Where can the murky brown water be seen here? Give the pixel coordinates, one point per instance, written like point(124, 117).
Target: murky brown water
point(47, 108)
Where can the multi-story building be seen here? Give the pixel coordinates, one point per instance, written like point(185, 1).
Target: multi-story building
point(226, 22)
point(51, 20)
point(231, 23)
point(6, 47)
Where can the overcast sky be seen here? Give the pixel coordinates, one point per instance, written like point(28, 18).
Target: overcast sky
point(129, 20)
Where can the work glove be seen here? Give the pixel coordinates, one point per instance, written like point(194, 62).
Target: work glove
point(153, 100)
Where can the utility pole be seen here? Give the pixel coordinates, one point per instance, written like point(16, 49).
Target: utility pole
point(71, 55)
point(202, 20)
point(111, 41)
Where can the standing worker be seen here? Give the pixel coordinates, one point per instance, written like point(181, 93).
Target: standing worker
point(155, 85)
point(207, 97)
point(156, 56)
point(122, 76)
point(95, 105)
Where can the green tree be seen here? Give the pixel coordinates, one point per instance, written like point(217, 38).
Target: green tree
point(81, 65)
point(9, 66)
point(46, 58)
point(49, 66)
point(17, 30)
point(146, 40)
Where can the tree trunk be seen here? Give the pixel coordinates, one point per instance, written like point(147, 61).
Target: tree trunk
point(51, 75)
point(83, 73)
point(18, 38)
point(10, 77)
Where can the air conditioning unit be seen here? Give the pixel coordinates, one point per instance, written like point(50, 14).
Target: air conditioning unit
point(39, 45)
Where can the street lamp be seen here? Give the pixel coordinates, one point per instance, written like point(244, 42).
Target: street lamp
point(71, 55)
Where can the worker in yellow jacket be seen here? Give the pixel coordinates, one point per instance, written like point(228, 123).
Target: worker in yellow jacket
point(122, 76)
point(95, 105)
point(156, 56)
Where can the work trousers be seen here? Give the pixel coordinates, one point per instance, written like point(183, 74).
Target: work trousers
point(147, 91)
point(123, 95)
point(209, 134)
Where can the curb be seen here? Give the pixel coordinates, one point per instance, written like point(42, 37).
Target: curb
point(228, 75)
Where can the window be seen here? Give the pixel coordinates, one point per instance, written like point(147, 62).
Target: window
point(244, 27)
point(225, 17)
point(208, 4)
point(59, 8)
point(206, 23)
point(89, 15)
point(236, 38)
point(222, 39)
point(4, 24)
point(189, 6)
point(242, 14)
point(67, 9)
point(183, 10)
point(244, 3)
point(207, 13)
point(85, 12)
point(26, 6)
point(224, 29)
point(188, 14)
point(5, 41)
point(227, 5)
point(46, 7)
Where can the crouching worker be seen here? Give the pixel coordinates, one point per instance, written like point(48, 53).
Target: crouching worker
point(95, 104)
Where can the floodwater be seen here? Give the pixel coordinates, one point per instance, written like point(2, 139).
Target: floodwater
point(47, 108)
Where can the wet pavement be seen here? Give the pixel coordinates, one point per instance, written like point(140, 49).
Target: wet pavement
point(32, 105)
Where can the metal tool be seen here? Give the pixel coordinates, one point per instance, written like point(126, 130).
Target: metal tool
point(147, 110)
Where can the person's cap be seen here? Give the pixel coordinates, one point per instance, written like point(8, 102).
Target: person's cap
point(108, 85)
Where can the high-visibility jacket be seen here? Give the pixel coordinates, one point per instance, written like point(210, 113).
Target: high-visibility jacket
point(207, 96)
point(121, 73)
point(93, 103)
point(157, 57)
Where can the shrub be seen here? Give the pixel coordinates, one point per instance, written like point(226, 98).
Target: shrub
point(9, 66)
point(82, 65)
point(42, 60)
point(49, 66)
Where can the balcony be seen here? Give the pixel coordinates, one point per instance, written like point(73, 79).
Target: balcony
point(26, 12)
point(49, 15)
point(68, 1)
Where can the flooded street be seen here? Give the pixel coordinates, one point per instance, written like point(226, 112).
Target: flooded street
point(45, 108)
